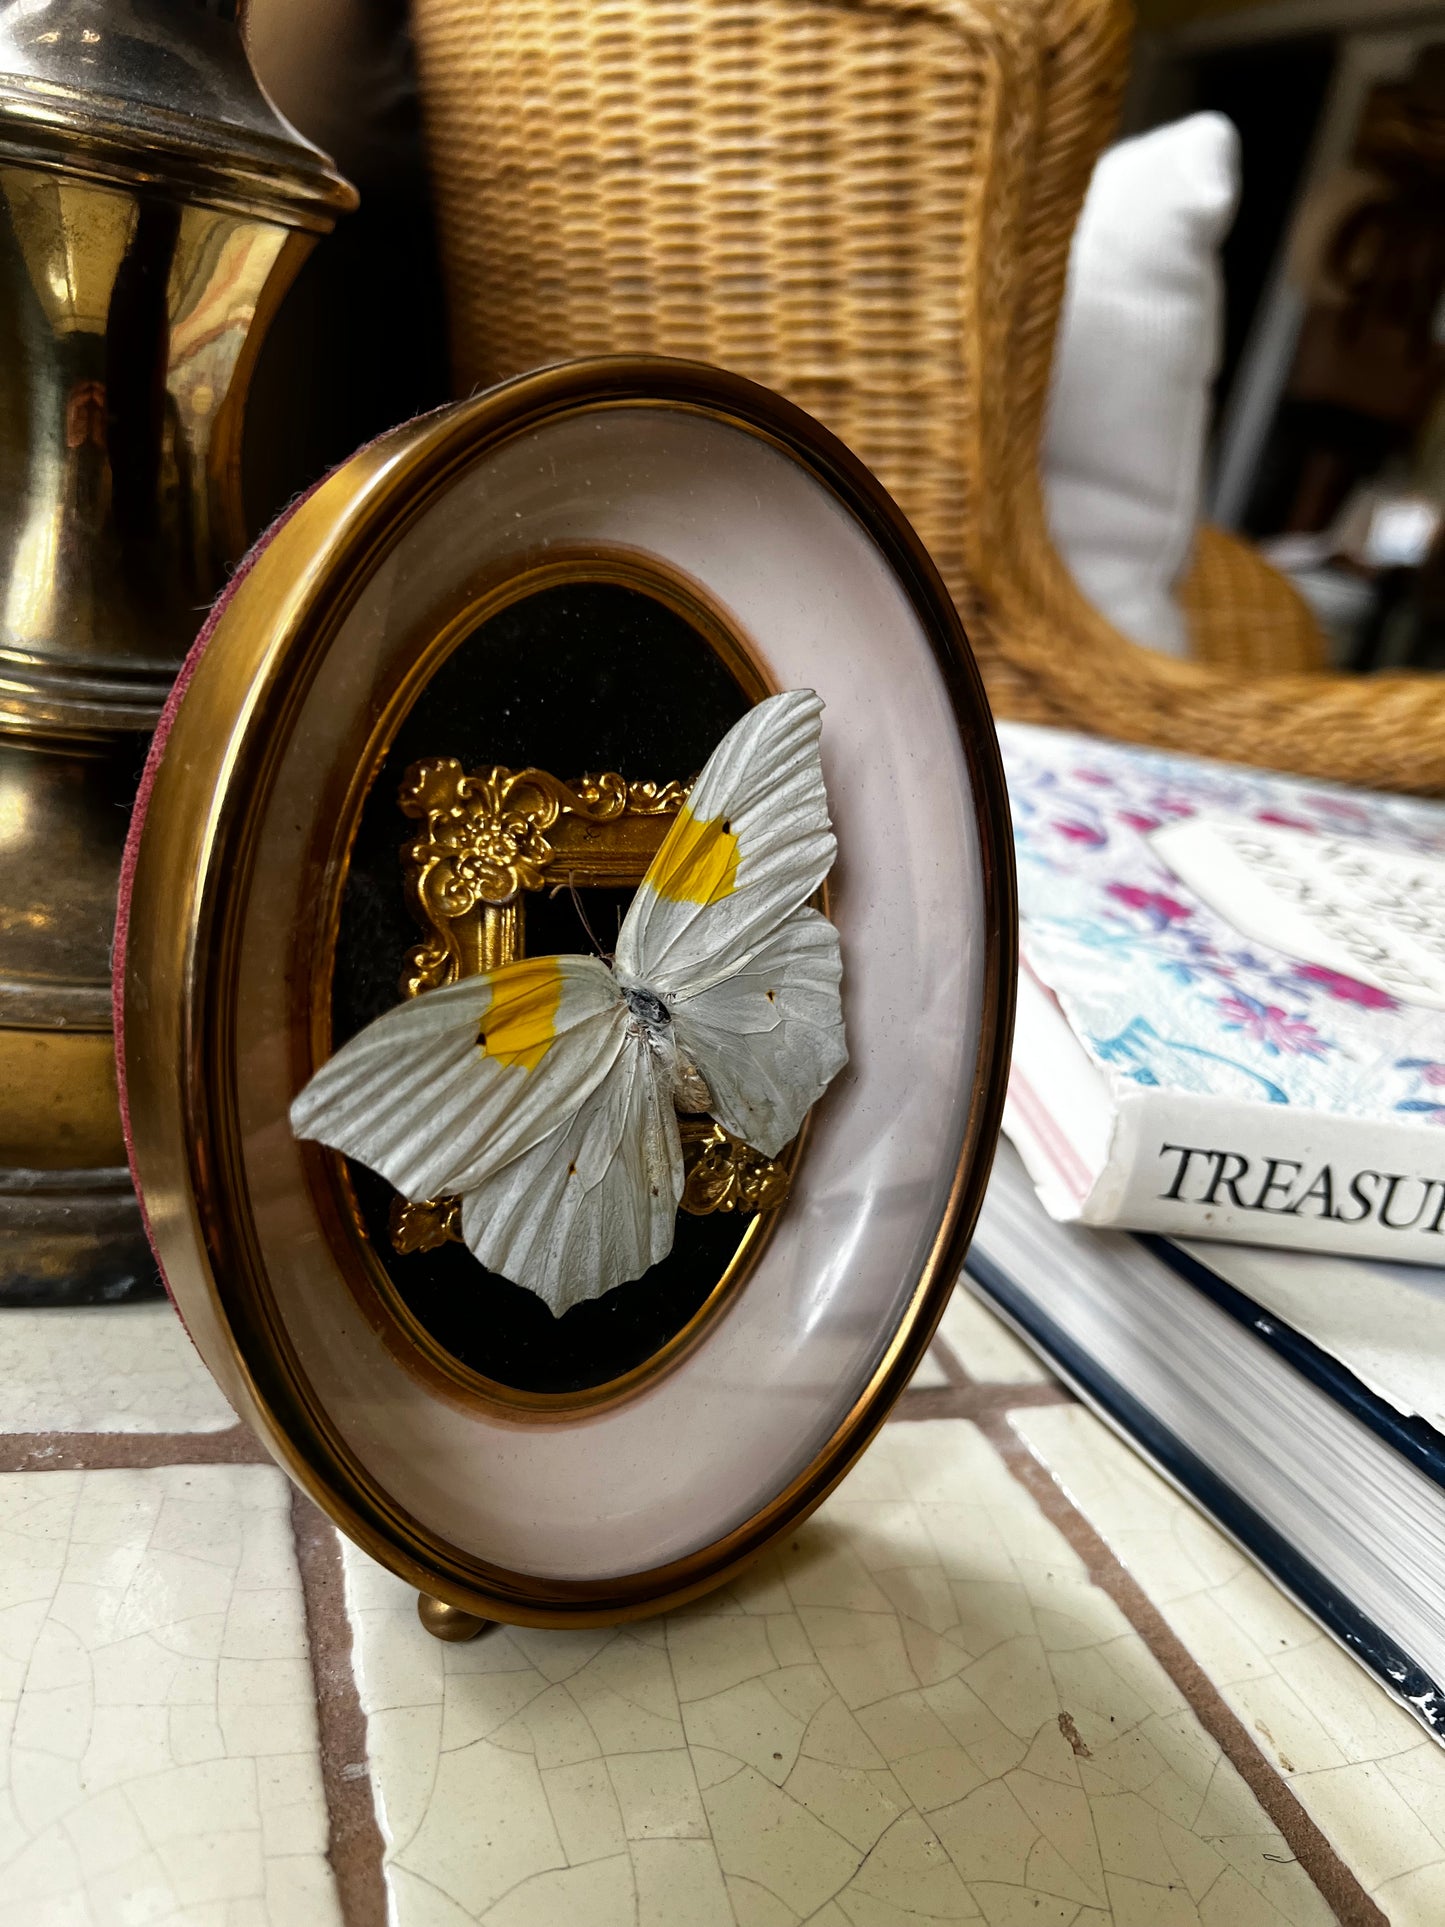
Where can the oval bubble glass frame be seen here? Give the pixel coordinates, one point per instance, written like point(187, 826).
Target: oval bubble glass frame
point(598, 564)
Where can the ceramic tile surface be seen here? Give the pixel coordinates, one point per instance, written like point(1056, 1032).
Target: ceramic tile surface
point(104, 1368)
point(1359, 1764)
point(984, 1345)
point(917, 1710)
point(156, 1702)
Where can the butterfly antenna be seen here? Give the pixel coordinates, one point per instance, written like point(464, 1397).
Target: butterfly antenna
point(570, 886)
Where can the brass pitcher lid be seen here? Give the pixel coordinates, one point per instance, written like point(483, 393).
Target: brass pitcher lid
point(157, 91)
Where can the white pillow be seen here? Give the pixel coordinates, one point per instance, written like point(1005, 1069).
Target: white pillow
point(1138, 346)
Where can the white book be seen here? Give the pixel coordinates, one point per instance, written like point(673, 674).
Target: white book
point(1231, 1018)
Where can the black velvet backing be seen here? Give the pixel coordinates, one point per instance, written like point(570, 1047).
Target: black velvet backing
point(575, 679)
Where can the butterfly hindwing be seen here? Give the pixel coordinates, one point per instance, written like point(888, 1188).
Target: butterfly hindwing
point(595, 1203)
point(769, 1039)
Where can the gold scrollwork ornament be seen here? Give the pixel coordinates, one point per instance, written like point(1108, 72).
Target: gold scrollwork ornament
point(485, 840)
point(724, 1174)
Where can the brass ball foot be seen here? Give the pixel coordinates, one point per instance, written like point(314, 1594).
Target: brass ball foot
point(449, 1622)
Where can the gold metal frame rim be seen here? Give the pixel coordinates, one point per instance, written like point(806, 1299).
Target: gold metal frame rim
point(364, 507)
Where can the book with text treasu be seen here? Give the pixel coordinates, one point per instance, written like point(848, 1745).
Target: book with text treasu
point(1231, 1018)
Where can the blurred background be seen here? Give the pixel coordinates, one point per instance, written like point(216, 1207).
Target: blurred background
point(1242, 458)
point(1327, 441)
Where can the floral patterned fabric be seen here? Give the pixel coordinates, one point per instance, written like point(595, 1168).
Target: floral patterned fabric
point(1159, 986)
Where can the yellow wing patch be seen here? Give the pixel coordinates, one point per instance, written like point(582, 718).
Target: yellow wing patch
point(698, 861)
point(521, 1020)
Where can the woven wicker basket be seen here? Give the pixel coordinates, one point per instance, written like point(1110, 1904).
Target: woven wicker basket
point(867, 206)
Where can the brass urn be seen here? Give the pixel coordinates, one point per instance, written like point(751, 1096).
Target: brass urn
point(154, 207)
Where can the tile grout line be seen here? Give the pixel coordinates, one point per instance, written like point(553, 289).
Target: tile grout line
point(122, 1451)
point(954, 1369)
point(77, 1451)
point(355, 1848)
point(974, 1400)
point(1338, 1886)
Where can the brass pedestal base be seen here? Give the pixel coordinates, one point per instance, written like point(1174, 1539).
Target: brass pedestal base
point(73, 1238)
point(450, 1622)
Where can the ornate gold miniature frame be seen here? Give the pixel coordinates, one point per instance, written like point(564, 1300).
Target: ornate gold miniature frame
point(489, 837)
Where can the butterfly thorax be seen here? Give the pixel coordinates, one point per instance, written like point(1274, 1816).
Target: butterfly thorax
point(651, 1012)
point(653, 1021)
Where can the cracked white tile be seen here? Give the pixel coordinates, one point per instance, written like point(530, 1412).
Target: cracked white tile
point(105, 1368)
point(657, 1794)
point(160, 1761)
point(584, 1806)
point(915, 1710)
point(1361, 1767)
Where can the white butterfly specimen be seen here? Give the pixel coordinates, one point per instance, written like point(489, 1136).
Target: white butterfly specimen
point(545, 1094)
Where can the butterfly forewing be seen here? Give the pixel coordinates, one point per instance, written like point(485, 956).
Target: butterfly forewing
point(769, 1039)
point(719, 929)
point(751, 845)
point(440, 1093)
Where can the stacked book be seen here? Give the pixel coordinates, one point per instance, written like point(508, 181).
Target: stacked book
point(1224, 1198)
